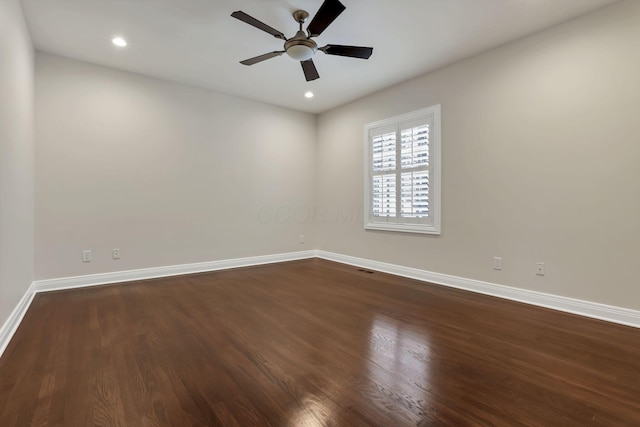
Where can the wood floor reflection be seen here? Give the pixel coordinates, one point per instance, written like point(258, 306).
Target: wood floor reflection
point(311, 343)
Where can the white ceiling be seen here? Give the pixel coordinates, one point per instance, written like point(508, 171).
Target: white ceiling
point(198, 43)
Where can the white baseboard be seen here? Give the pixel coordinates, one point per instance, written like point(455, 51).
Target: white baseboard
point(172, 270)
point(594, 310)
point(584, 308)
point(11, 324)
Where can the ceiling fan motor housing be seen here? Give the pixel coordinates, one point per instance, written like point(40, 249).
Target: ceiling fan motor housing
point(300, 47)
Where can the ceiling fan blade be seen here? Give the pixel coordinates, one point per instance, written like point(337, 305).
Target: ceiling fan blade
point(327, 13)
point(258, 24)
point(261, 58)
point(310, 71)
point(350, 51)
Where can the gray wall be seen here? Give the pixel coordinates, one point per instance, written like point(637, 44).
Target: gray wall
point(167, 173)
point(16, 157)
point(540, 163)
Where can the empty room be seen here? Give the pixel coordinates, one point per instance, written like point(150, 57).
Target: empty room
point(309, 213)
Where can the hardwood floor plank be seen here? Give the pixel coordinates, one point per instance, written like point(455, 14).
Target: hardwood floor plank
point(311, 343)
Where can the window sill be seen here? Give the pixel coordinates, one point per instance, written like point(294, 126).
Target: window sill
point(403, 228)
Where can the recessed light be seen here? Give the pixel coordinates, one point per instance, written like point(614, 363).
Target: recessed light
point(119, 41)
point(308, 95)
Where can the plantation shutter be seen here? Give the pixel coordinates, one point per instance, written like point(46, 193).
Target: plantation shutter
point(402, 188)
point(415, 170)
point(384, 198)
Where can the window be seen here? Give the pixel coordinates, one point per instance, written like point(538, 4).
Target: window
point(402, 177)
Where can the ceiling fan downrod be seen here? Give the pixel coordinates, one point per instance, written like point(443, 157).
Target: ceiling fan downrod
point(300, 47)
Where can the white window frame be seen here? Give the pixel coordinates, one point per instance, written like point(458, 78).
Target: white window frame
point(432, 224)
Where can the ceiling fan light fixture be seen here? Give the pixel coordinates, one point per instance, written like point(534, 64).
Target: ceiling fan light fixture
point(301, 52)
point(300, 47)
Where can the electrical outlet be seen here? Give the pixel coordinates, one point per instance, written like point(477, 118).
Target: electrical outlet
point(497, 263)
point(540, 268)
point(86, 256)
point(116, 253)
point(301, 238)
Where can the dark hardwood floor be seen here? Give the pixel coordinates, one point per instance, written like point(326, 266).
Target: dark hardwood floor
point(311, 343)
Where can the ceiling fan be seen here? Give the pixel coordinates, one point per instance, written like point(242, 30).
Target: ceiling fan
point(302, 47)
